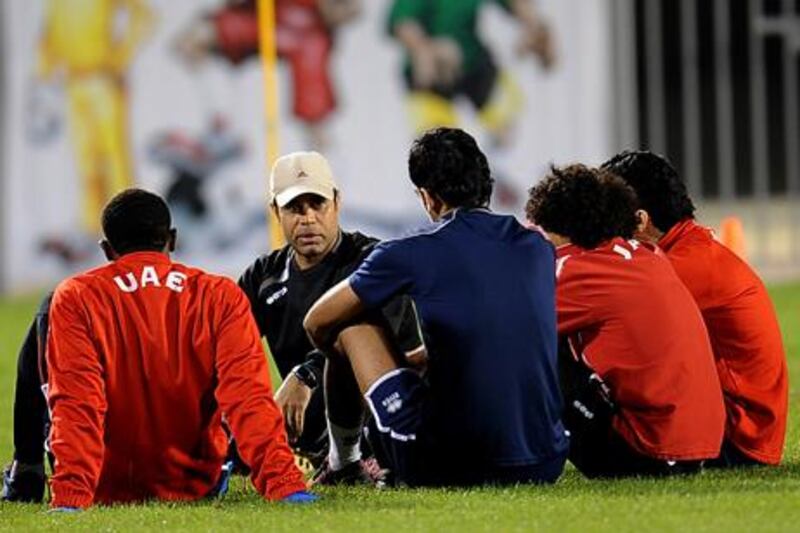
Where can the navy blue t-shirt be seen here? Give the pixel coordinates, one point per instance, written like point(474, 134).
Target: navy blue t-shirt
point(484, 288)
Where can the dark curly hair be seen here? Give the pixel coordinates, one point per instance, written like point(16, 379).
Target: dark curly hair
point(588, 206)
point(448, 163)
point(136, 220)
point(662, 193)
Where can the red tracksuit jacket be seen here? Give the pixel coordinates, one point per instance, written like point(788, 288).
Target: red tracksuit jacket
point(745, 337)
point(624, 308)
point(144, 356)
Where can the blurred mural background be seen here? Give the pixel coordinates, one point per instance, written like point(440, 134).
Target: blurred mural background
point(97, 95)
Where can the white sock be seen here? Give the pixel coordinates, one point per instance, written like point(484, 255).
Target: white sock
point(345, 446)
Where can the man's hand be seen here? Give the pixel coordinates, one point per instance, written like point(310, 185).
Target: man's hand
point(194, 44)
point(292, 397)
point(301, 497)
point(338, 12)
point(449, 61)
point(423, 68)
point(436, 64)
point(434, 61)
point(538, 40)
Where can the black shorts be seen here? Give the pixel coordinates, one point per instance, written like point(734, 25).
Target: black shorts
point(476, 85)
point(607, 455)
point(596, 448)
point(397, 403)
point(731, 457)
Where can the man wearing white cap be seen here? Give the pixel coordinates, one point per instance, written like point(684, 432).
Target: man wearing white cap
point(285, 283)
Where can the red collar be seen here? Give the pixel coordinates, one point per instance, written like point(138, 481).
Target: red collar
point(676, 232)
point(574, 249)
point(568, 249)
point(144, 257)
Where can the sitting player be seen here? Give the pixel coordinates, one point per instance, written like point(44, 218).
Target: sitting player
point(144, 356)
point(634, 327)
point(282, 286)
point(489, 410)
point(736, 308)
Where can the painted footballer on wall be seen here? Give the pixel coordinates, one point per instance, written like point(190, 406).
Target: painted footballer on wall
point(169, 95)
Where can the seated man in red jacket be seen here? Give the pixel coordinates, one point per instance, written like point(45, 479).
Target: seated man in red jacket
point(635, 330)
point(144, 357)
point(741, 321)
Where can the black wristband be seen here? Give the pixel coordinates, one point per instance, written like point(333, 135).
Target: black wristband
point(306, 376)
point(316, 359)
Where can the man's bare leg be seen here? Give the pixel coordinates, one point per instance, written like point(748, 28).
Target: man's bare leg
point(369, 352)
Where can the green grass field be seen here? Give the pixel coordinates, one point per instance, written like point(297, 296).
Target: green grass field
point(761, 499)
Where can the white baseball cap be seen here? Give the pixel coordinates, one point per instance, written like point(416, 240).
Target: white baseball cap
point(300, 173)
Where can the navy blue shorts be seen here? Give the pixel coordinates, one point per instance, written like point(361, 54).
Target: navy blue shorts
point(397, 401)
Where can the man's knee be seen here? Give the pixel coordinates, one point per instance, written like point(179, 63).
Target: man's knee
point(351, 338)
point(338, 349)
point(370, 350)
point(367, 338)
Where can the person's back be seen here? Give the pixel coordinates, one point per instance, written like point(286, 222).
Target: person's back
point(640, 388)
point(489, 408)
point(629, 315)
point(741, 321)
point(144, 356)
point(154, 323)
point(745, 338)
point(484, 289)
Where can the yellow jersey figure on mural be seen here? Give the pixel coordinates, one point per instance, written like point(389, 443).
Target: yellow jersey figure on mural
point(89, 45)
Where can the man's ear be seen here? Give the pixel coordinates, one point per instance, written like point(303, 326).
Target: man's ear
point(275, 210)
point(108, 250)
point(438, 205)
point(425, 196)
point(646, 231)
point(172, 241)
point(643, 218)
point(557, 239)
point(433, 204)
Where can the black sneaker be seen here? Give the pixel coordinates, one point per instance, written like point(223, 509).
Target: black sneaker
point(23, 483)
point(362, 472)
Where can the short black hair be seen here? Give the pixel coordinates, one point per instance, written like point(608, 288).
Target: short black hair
point(661, 191)
point(136, 220)
point(448, 163)
point(588, 206)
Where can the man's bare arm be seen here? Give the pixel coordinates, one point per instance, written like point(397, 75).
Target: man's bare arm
point(141, 24)
point(338, 12)
point(537, 38)
point(334, 309)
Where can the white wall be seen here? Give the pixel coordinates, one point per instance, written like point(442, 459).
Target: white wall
point(567, 118)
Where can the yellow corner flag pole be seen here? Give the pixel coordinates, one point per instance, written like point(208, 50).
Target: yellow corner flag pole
point(269, 67)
